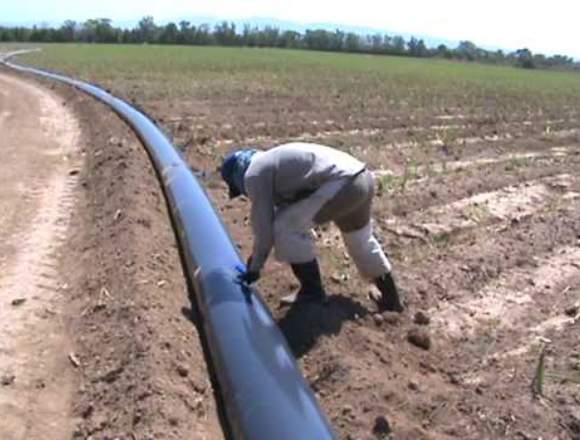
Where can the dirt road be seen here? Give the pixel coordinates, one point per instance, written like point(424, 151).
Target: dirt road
point(89, 267)
point(37, 195)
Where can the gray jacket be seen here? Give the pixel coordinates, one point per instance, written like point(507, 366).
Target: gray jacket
point(283, 175)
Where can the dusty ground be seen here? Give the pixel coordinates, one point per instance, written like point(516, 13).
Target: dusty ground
point(39, 147)
point(95, 260)
point(481, 219)
point(478, 206)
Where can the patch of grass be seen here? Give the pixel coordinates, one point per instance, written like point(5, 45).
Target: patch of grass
point(386, 183)
point(477, 213)
point(411, 173)
point(515, 163)
point(448, 136)
point(488, 337)
point(537, 384)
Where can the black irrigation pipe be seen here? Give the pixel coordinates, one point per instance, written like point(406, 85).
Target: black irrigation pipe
point(264, 394)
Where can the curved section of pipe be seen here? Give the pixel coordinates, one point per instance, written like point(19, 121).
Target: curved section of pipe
point(264, 394)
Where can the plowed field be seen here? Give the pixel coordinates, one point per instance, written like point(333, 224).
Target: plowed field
point(478, 206)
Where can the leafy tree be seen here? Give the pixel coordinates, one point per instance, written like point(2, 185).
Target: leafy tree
point(69, 30)
point(290, 39)
point(337, 40)
point(444, 52)
point(467, 50)
point(146, 30)
point(268, 37)
point(387, 44)
point(376, 43)
point(399, 45)
point(104, 31)
point(352, 42)
point(202, 35)
point(317, 39)
point(417, 48)
point(225, 34)
point(525, 59)
point(169, 34)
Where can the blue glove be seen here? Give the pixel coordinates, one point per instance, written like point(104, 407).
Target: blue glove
point(248, 276)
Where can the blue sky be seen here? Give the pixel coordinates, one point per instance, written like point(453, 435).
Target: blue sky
point(542, 26)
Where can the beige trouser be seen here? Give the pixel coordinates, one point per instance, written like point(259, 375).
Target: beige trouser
point(345, 202)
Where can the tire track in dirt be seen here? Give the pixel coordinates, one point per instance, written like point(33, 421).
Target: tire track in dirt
point(40, 145)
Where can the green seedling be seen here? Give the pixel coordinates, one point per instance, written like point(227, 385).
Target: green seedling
point(538, 381)
point(477, 213)
point(516, 162)
point(386, 183)
point(411, 173)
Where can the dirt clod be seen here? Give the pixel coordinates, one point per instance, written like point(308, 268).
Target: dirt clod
point(391, 318)
point(573, 310)
point(7, 380)
point(347, 409)
point(87, 412)
point(378, 319)
point(74, 360)
point(413, 386)
point(18, 302)
point(421, 318)
point(574, 426)
point(182, 371)
point(382, 428)
point(419, 338)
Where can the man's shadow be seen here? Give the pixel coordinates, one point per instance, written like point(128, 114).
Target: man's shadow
point(304, 323)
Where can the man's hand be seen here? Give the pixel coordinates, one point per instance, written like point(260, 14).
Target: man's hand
point(249, 276)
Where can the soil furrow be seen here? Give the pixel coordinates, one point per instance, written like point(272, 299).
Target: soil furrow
point(401, 196)
point(425, 171)
point(510, 204)
point(512, 300)
point(398, 138)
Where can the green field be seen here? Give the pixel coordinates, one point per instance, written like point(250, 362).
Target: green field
point(352, 82)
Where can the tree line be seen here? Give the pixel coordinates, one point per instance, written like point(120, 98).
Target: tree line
point(101, 30)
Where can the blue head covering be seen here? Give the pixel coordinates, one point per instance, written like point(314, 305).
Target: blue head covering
point(233, 169)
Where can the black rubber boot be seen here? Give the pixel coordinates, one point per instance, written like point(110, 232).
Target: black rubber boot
point(308, 274)
point(389, 300)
